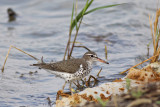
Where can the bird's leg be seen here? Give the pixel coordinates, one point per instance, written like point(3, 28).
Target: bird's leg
point(64, 85)
point(78, 84)
point(70, 88)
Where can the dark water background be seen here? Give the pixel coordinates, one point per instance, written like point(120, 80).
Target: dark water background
point(42, 30)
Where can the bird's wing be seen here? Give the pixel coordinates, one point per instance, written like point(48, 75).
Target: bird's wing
point(68, 66)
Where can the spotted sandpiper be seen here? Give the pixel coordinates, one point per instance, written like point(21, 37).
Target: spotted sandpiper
point(72, 69)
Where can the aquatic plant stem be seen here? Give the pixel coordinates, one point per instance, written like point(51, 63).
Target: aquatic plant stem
point(106, 53)
point(155, 28)
point(70, 33)
point(155, 34)
point(83, 47)
point(153, 37)
point(99, 72)
point(75, 38)
point(68, 44)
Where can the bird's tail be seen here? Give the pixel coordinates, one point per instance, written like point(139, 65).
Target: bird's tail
point(40, 63)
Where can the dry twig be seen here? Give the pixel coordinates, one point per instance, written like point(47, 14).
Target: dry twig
point(141, 63)
point(20, 51)
point(99, 72)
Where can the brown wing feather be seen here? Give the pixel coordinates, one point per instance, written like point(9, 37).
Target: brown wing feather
point(69, 66)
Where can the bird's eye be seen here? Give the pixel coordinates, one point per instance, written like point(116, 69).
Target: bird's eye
point(91, 55)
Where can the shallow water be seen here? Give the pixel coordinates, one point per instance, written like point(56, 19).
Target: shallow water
point(41, 29)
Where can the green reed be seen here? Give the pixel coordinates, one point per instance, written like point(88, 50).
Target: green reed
point(76, 23)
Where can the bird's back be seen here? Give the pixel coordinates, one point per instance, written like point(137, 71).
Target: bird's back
point(67, 66)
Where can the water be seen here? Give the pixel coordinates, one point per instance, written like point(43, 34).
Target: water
point(41, 29)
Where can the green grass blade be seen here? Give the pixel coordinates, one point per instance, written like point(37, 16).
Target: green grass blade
point(72, 13)
point(83, 11)
point(106, 52)
point(85, 8)
point(102, 7)
point(103, 103)
point(76, 15)
point(80, 15)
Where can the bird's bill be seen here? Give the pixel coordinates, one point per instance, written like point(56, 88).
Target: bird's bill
point(100, 60)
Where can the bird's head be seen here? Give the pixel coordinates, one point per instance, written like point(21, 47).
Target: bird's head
point(92, 57)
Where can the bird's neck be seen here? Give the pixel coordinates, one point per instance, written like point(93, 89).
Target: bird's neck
point(89, 63)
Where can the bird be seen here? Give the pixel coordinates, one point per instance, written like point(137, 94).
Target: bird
point(12, 15)
point(72, 69)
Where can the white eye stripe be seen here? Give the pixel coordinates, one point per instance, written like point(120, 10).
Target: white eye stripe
point(92, 54)
point(89, 54)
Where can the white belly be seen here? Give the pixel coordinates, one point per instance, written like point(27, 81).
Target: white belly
point(81, 73)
